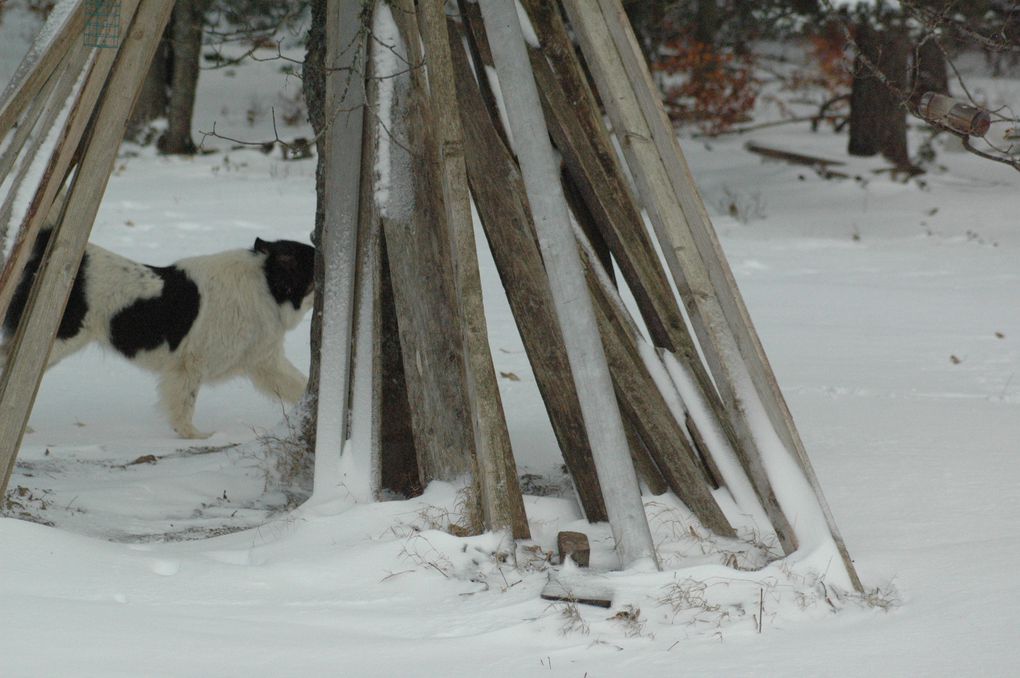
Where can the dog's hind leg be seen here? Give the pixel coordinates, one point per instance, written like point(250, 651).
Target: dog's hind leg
point(178, 390)
point(65, 347)
point(279, 379)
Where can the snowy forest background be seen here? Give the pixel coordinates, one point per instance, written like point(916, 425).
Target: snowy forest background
point(881, 273)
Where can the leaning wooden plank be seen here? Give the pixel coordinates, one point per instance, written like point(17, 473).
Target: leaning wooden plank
point(360, 464)
point(29, 350)
point(398, 458)
point(502, 503)
point(503, 208)
point(572, 303)
point(64, 25)
point(417, 249)
point(67, 146)
point(346, 45)
point(27, 123)
point(688, 269)
point(471, 14)
point(39, 121)
point(580, 134)
point(644, 404)
point(732, 304)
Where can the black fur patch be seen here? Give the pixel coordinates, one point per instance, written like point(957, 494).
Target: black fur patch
point(149, 323)
point(77, 307)
point(289, 268)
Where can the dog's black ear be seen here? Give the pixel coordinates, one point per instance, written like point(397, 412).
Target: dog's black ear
point(261, 246)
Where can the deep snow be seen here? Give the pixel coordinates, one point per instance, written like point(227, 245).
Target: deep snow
point(888, 310)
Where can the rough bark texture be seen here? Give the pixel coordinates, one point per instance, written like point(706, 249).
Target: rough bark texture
point(314, 85)
point(877, 99)
point(154, 99)
point(418, 250)
point(186, 30)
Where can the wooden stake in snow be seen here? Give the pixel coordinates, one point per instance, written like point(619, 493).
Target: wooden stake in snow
point(502, 504)
point(346, 37)
point(566, 277)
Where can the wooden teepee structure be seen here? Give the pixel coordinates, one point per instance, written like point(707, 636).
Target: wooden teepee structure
point(466, 105)
point(434, 114)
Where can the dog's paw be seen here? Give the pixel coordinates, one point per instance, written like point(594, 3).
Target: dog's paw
point(191, 432)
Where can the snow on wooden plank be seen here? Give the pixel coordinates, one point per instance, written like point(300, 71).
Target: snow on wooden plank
point(566, 277)
point(29, 350)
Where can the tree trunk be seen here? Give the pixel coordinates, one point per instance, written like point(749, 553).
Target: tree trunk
point(154, 99)
point(187, 46)
point(878, 95)
point(929, 73)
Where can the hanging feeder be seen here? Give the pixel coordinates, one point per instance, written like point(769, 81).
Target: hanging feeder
point(102, 23)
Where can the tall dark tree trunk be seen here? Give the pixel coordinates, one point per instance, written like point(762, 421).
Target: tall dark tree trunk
point(929, 72)
point(154, 99)
point(878, 95)
point(706, 21)
point(187, 46)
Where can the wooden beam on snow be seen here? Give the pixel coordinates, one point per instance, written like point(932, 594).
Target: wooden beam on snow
point(502, 504)
point(48, 50)
point(418, 252)
point(29, 350)
point(572, 303)
point(346, 48)
point(35, 127)
point(684, 261)
point(737, 332)
point(64, 155)
point(502, 206)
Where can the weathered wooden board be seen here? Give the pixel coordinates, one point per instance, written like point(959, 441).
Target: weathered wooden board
point(502, 205)
point(685, 263)
point(38, 65)
point(29, 351)
point(573, 306)
point(502, 504)
point(418, 253)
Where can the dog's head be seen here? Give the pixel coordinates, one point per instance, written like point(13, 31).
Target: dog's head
point(289, 267)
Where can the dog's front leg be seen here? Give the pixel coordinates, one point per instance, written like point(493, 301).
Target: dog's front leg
point(279, 379)
point(178, 389)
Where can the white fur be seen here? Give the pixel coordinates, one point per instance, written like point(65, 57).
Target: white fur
point(239, 329)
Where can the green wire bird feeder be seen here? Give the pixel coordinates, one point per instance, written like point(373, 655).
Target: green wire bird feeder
point(102, 23)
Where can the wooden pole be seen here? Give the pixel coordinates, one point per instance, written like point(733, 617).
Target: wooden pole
point(693, 252)
point(42, 58)
point(346, 44)
point(688, 269)
point(38, 122)
point(502, 504)
point(418, 254)
point(29, 350)
point(67, 146)
point(580, 134)
point(731, 302)
point(572, 302)
point(503, 208)
point(27, 123)
point(643, 403)
point(361, 465)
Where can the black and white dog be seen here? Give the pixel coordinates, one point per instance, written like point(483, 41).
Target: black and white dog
point(200, 320)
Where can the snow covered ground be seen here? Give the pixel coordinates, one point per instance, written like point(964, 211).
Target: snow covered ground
point(889, 311)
